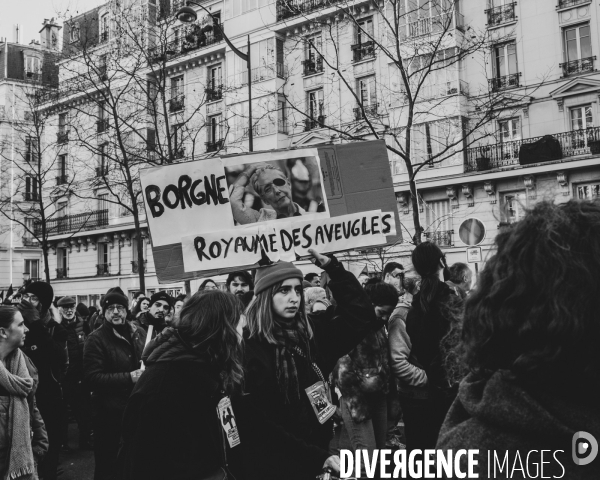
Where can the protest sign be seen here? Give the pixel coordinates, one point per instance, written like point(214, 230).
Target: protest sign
point(212, 216)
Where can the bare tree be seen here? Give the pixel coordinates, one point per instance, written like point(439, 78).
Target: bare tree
point(427, 114)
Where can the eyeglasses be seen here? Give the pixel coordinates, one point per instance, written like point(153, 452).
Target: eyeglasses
point(29, 297)
point(118, 308)
point(68, 308)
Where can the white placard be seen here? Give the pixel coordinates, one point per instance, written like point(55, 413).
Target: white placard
point(474, 255)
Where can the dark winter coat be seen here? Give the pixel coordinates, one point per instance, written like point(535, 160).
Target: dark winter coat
point(39, 437)
point(171, 416)
point(75, 341)
point(46, 346)
point(426, 331)
point(108, 360)
point(300, 447)
point(497, 414)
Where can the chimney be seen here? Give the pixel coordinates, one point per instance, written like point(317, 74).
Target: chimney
point(49, 34)
point(17, 33)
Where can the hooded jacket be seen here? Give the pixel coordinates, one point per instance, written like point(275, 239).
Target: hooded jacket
point(498, 415)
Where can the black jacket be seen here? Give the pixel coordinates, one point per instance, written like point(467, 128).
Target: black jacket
point(75, 341)
point(299, 445)
point(108, 360)
point(46, 346)
point(170, 426)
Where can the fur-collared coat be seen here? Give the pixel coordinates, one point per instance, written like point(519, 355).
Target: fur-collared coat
point(364, 371)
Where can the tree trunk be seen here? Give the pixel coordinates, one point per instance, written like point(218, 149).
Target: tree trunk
point(415, 204)
point(45, 254)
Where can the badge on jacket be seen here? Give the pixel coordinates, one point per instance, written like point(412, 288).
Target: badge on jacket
point(318, 395)
point(227, 418)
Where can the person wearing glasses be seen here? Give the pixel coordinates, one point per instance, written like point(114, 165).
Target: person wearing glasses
point(273, 188)
point(111, 367)
point(76, 395)
point(160, 307)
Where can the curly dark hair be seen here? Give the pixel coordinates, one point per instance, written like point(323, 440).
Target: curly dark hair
point(381, 293)
point(535, 309)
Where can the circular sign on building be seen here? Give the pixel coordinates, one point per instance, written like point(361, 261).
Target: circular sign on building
point(471, 231)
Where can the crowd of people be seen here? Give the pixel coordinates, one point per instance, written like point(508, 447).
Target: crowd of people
point(273, 375)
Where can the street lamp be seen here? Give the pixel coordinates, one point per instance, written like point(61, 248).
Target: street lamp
point(188, 15)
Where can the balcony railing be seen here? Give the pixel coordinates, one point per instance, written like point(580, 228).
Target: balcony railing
point(30, 242)
point(190, 43)
point(447, 89)
point(365, 111)
point(292, 8)
point(311, 124)
point(62, 179)
point(214, 146)
point(30, 196)
point(432, 25)
point(571, 3)
point(363, 51)
point(33, 76)
point(74, 223)
point(505, 154)
point(102, 126)
point(62, 137)
point(259, 74)
point(312, 66)
point(101, 171)
point(61, 273)
point(214, 94)
point(442, 238)
point(578, 66)
point(103, 269)
point(178, 153)
point(177, 103)
point(135, 268)
point(504, 82)
point(501, 14)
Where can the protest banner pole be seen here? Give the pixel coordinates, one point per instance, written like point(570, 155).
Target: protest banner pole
point(148, 337)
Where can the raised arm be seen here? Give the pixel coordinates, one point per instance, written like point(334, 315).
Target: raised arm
point(241, 213)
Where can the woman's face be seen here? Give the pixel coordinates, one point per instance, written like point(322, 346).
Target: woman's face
point(144, 305)
point(14, 335)
point(178, 306)
point(210, 286)
point(286, 300)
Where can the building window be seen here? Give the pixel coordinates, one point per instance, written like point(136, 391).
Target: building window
point(103, 259)
point(513, 206)
point(104, 28)
point(62, 263)
point(176, 101)
point(30, 149)
point(588, 192)
point(506, 74)
point(314, 110)
point(510, 134)
point(281, 117)
point(33, 68)
point(63, 128)
point(31, 188)
point(103, 201)
point(578, 44)
point(363, 47)
point(214, 134)
point(581, 117)
point(438, 218)
point(177, 141)
point(313, 60)
point(74, 32)
point(32, 267)
point(214, 90)
point(367, 97)
point(62, 170)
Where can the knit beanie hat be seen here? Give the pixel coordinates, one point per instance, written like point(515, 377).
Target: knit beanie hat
point(43, 291)
point(114, 296)
point(82, 310)
point(278, 272)
point(164, 296)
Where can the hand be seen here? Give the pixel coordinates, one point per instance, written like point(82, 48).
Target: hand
point(56, 316)
point(333, 462)
point(136, 374)
point(319, 259)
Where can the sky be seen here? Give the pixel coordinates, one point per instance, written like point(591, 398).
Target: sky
point(30, 14)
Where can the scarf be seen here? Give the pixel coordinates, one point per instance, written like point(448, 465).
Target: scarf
point(15, 379)
point(288, 336)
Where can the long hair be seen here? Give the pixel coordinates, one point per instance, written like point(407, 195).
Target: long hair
point(7, 315)
point(260, 320)
point(138, 306)
point(208, 320)
point(426, 260)
point(206, 282)
point(535, 308)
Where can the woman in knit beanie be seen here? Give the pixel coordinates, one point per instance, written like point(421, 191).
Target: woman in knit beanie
point(289, 356)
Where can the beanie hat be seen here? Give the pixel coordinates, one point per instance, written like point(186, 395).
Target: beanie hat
point(114, 296)
point(82, 310)
point(43, 291)
point(278, 272)
point(161, 296)
point(65, 301)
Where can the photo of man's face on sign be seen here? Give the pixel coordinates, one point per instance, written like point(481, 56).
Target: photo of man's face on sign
point(276, 189)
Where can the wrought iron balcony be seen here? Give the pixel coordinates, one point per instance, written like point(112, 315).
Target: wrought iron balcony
point(578, 66)
point(102, 125)
point(571, 3)
point(135, 266)
point(433, 25)
point(365, 111)
point(313, 66)
point(74, 223)
point(62, 179)
point(292, 8)
point(194, 40)
point(62, 137)
point(103, 269)
point(501, 14)
point(362, 51)
point(311, 124)
point(101, 171)
point(505, 154)
point(214, 146)
point(178, 153)
point(61, 273)
point(504, 82)
point(442, 238)
point(214, 93)
point(176, 104)
point(33, 76)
